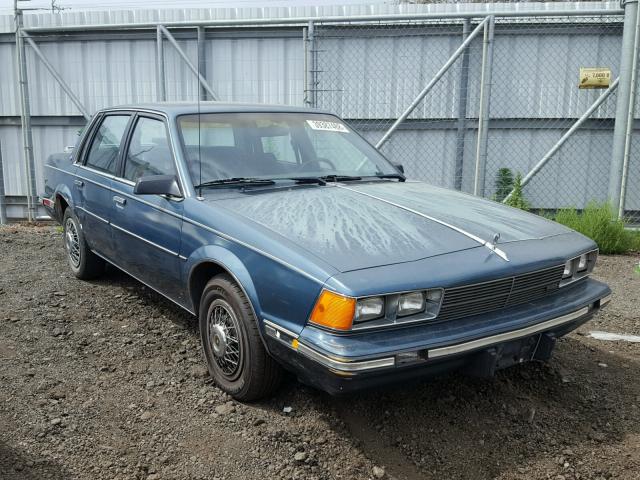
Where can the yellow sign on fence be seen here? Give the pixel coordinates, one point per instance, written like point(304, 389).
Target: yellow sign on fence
point(595, 77)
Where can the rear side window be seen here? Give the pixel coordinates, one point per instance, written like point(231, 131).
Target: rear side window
point(149, 152)
point(105, 147)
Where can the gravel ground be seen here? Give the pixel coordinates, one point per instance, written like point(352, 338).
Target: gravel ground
point(105, 379)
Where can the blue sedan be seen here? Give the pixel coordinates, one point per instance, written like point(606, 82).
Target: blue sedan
point(298, 246)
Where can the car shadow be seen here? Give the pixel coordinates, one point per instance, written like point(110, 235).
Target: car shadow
point(180, 317)
point(22, 466)
point(460, 427)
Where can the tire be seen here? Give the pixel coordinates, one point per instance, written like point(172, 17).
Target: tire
point(84, 264)
point(236, 357)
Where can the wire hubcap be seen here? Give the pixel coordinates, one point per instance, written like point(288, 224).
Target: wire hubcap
point(72, 242)
point(224, 338)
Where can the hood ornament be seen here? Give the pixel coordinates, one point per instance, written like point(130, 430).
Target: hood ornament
point(492, 246)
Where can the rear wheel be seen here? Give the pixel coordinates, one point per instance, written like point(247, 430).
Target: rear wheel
point(235, 355)
point(83, 262)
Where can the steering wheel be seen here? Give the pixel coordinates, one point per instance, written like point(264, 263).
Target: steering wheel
point(317, 161)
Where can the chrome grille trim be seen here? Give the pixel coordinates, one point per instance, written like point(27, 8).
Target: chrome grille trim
point(478, 298)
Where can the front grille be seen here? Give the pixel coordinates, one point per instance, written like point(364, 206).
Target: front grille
point(485, 297)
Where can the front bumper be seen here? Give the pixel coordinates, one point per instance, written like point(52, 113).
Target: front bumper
point(480, 344)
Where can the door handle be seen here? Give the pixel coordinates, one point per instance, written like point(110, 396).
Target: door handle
point(120, 201)
point(78, 183)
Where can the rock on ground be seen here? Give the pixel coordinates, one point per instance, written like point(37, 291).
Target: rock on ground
point(105, 380)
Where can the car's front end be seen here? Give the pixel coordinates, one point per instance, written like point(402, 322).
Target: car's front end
point(469, 310)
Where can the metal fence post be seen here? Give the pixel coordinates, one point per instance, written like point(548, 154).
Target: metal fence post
point(630, 119)
point(194, 69)
point(202, 61)
point(27, 137)
point(3, 204)
point(310, 66)
point(483, 113)
point(462, 111)
point(160, 81)
point(623, 102)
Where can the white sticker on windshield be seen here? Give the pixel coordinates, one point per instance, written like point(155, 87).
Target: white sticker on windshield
point(327, 126)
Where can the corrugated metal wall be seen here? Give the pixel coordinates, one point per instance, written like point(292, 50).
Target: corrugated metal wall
point(376, 77)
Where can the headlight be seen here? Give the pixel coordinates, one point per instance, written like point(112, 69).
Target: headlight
point(582, 263)
point(568, 269)
point(369, 308)
point(410, 303)
point(427, 301)
point(578, 267)
point(339, 312)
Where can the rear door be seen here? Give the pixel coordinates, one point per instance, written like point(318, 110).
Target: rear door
point(94, 178)
point(147, 228)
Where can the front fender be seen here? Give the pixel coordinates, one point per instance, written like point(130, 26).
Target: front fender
point(227, 260)
point(276, 293)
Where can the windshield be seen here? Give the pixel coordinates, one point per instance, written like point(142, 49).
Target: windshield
point(275, 146)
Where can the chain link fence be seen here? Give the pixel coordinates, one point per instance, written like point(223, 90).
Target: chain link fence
point(473, 102)
point(370, 74)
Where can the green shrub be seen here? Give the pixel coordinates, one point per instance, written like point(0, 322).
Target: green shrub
point(517, 199)
point(598, 222)
point(503, 184)
point(635, 240)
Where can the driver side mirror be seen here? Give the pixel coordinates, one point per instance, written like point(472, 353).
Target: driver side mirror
point(399, 167)
point(158, 185)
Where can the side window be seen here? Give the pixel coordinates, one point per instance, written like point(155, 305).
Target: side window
point(103, 152)
point(149, 152)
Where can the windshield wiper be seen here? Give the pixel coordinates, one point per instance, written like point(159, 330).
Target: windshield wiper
point(339, 178)
point(322, 180)
point(244, 181)
point(399, 176)
point(317, 180)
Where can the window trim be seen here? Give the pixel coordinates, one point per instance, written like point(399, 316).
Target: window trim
point(89, 143)
point(86, 138)
point(119, 175)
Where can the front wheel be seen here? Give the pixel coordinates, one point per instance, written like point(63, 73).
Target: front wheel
point(83, 262)
point(236, 357)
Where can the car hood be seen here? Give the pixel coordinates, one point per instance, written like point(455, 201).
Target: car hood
point(364, 225)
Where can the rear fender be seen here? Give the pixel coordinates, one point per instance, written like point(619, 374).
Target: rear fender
point(64, 192)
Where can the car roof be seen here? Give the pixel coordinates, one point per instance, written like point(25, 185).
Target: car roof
point(173, 109)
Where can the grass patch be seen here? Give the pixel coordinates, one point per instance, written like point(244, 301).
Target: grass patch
point(598, 222)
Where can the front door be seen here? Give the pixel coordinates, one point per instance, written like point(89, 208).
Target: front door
point(147, 228)
point(93, 182)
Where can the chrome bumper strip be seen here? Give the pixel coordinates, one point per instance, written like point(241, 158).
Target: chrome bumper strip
point(343, 365)
point(346, 366)
point(281, 329)
point(503, 337)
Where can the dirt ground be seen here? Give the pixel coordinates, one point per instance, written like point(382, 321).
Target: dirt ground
point(104, 380)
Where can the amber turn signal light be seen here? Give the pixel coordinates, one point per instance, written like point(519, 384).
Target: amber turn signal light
point(333, 311)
